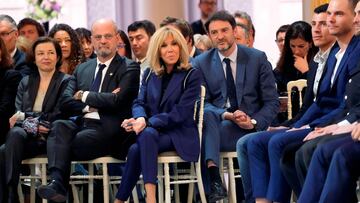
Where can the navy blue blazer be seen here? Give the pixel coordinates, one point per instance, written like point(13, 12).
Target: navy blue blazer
point(330, 100)
point(255, 84)
point(172, 113)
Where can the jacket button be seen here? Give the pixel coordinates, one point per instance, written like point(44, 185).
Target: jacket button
point(345, 97)
point(350, 81)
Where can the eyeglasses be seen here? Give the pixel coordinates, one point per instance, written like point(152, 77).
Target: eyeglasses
point(210, 3)
point(279, 40)
point(6, 34)
point(121, 46)
point(106, 36)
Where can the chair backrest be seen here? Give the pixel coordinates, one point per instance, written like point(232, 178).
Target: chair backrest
point(200, 109)
point(300, 85)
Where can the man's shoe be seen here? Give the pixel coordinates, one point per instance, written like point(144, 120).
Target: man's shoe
point(54, 191)
point(218, 191)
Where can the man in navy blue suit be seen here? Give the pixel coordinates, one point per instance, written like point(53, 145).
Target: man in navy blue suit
point(240, 94)
point(265, 150)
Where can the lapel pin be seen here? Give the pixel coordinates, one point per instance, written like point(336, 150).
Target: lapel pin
point(111, 74)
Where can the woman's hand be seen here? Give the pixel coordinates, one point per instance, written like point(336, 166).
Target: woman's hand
point(13, 120)
point(127, 124)
point(139, 125)
point(301, 64)
point(355, 134)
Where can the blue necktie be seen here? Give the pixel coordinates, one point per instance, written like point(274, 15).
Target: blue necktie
point(96, 83)
point(231, 89)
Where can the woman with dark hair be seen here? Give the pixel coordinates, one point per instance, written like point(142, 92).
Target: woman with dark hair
point(85, 39)
point(9, 80)
point(37, 105)
point(124, 48)
point(72, 53)
point(293, 64)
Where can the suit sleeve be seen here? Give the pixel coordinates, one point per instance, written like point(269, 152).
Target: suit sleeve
point(68, 104)
point(208, 106)
point(184, 109)
point(129, 87)
point(140, 104)
point(7, 99)
point(268, 94)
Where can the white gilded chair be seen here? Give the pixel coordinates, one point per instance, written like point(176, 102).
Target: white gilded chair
point(300, 85)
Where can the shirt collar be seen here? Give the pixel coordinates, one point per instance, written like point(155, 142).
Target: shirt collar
point(322, 56)
point(107, 63)
point(232, 56)
point(13, 53)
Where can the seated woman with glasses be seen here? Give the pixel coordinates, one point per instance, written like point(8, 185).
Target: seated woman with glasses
point(72, 53)
point(162, 113)
point(37, 105)
point(124, 48)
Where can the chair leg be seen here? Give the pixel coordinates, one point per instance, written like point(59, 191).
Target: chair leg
point(232, 186)
point(32, 184)
point(161, 184)
point(135, 195)
point(191, 185)
point(20, 192)
point(222, 174)
point(43, 178)
point(106, 183)
point(200, 182)
point(75, 193)
point(176, 186)
point(91, 184)
point(167, 183)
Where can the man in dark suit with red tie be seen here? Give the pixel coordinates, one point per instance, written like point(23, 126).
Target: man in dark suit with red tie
point(99, 96)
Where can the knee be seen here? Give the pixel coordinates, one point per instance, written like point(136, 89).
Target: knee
point(254, 144)
point(16, 135)
point(241, 145)
point(148, 135)
point(133, 152)
point(209, 116)
point(60, 124)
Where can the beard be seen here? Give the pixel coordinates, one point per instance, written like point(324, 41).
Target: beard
point(104, 53)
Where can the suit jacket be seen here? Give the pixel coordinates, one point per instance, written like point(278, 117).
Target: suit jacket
point(330, 100)
point(9, 81)
point(198, 27)
point(255, 84)
point(309, 94)
point(21, 65)
point(172, 113)
point(112, 108)
point(27, 92)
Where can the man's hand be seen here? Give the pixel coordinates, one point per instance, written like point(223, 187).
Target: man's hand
point(115, 91)
point(295, 129)
point(355, 134)
point(78, 95)
point(301, 64)
point(138, 125)
point(43, 130)
point(328, 130)
point(242, 120)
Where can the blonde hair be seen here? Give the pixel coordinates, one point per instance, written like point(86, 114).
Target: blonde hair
point(153, 53)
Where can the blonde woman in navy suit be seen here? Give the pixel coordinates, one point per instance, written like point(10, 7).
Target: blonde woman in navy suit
point(162, 113)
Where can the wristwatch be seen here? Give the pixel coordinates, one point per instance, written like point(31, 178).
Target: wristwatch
point(80, 95)
point(254, 122)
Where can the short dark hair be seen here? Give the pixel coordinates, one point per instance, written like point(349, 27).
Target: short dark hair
point(181, 24)
point(282, 28)
point(147, 25)
point(41, 40)
point(29, 21)
point(321, 9)
point(221, 16)
point(83, 33)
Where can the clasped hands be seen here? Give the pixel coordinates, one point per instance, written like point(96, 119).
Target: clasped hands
point(132, 124)
point(334, 129)
point(240, 118)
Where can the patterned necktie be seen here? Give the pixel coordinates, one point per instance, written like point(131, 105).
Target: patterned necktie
point(96, 83)
point(231, 89)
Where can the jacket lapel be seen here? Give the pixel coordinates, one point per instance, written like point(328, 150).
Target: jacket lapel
point(49, 92)
point(219, 73)
point(174, 83)
point(114, 65)
point(33, 89)
point(242, 59)
point(155, 92)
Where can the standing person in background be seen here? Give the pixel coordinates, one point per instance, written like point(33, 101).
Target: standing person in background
point(207, 8)
point(124, 47)
point(139, 33)
point(85, 39)
point(9, 80)
point(31, 29)
point(72, 53)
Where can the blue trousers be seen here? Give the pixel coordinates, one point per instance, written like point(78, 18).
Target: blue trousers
point(142, 158)
point(318, 171)
point(265, 152)
point(243, 159)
